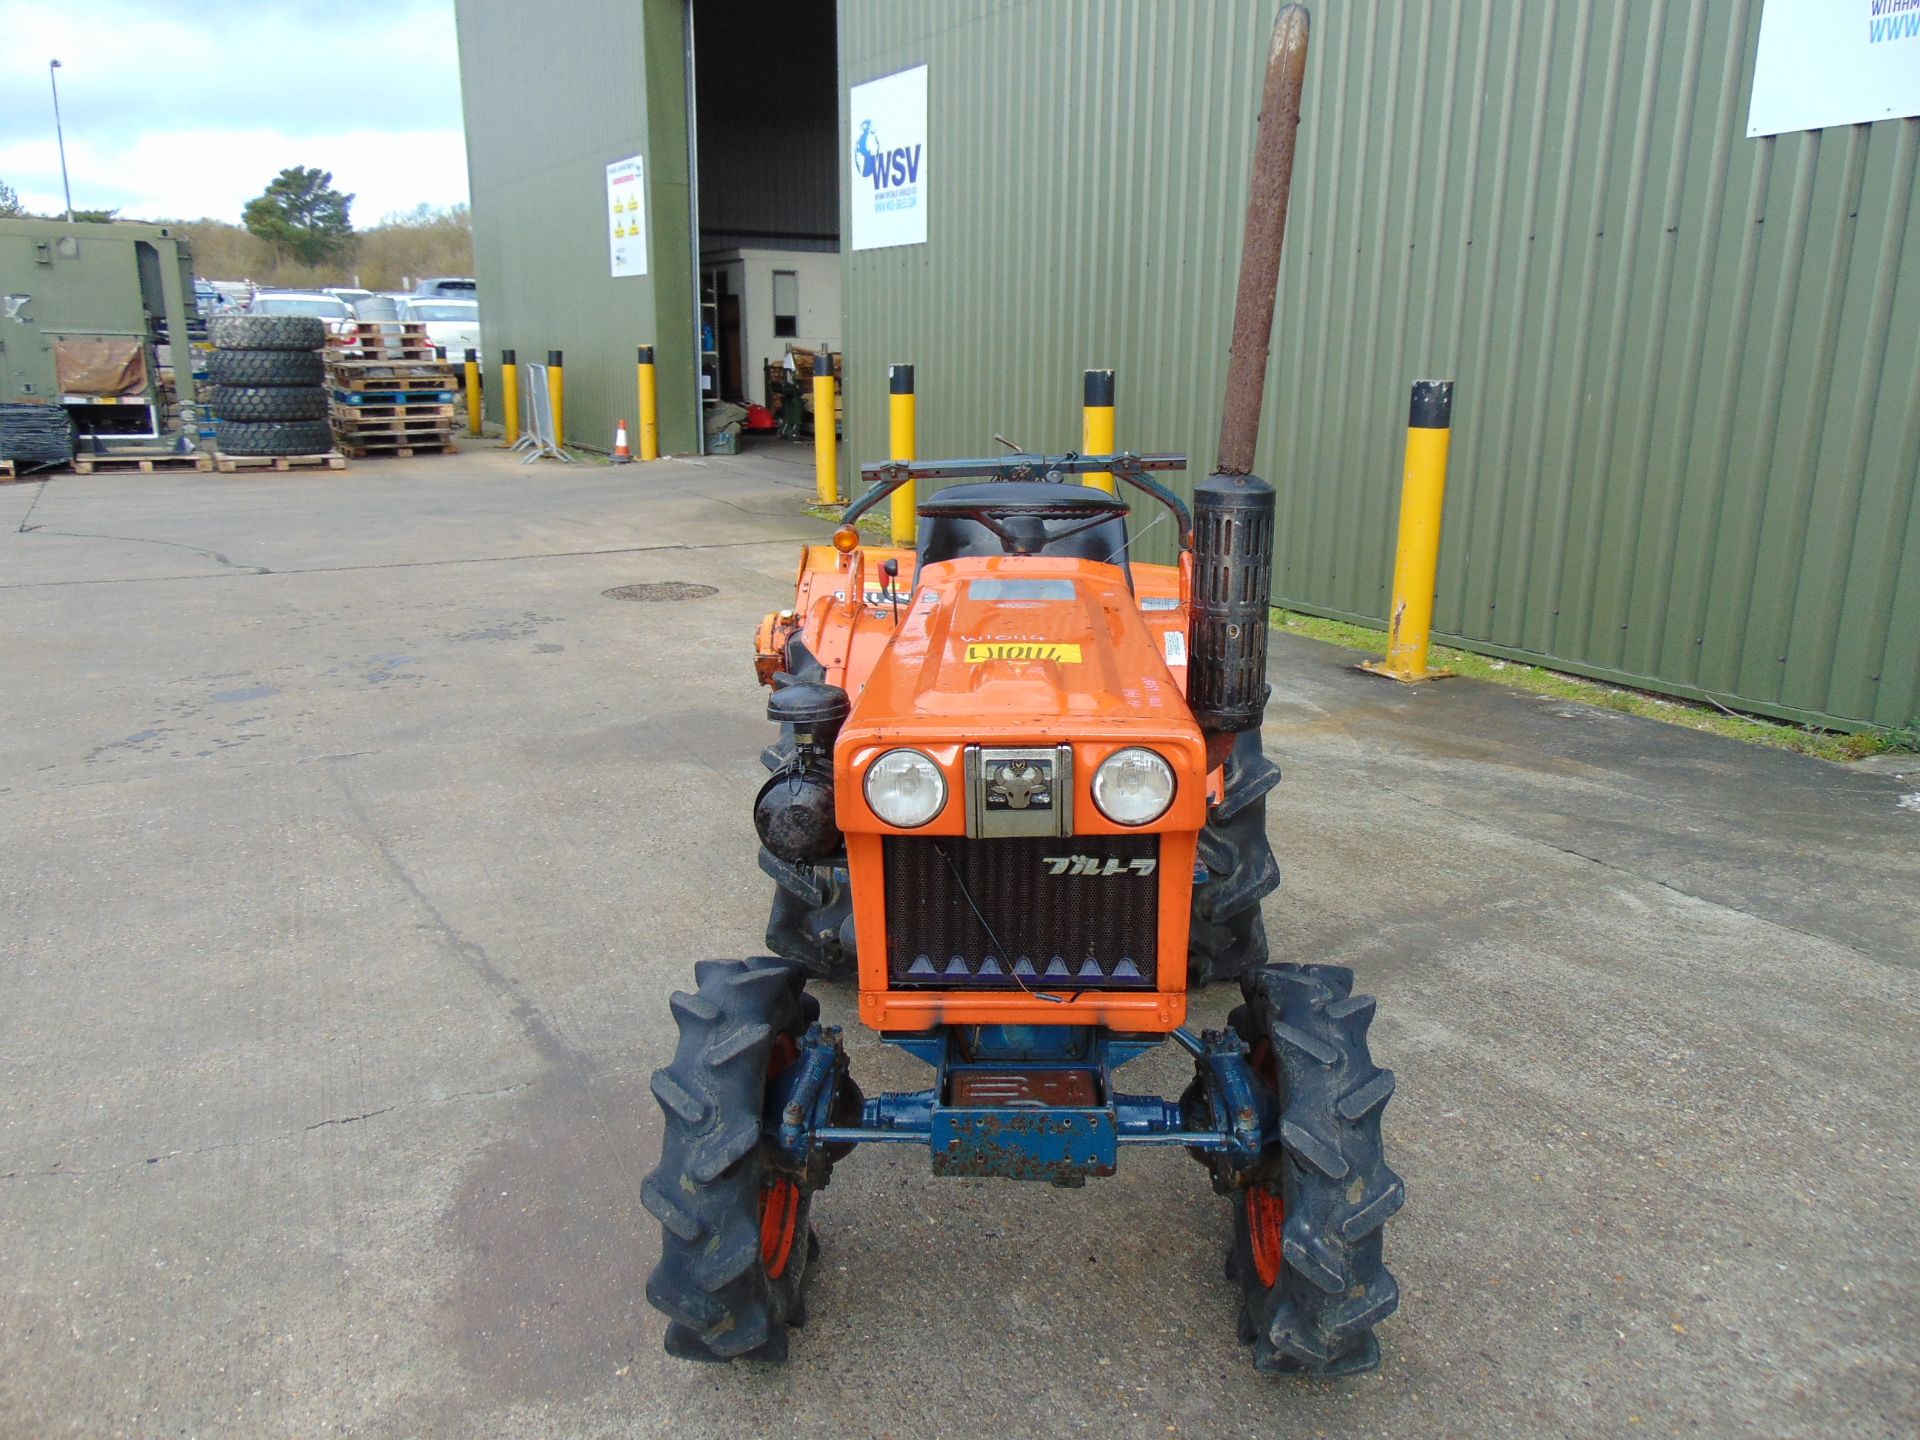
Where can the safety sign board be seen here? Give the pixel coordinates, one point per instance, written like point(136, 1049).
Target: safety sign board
point(627, 216)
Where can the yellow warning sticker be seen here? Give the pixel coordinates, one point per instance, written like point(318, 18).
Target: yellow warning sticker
point(980, 651)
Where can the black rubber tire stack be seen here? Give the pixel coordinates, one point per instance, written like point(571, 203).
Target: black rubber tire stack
point(1307, 1031)
point(1228, 937)
point(267, 373)
point(712, 1281)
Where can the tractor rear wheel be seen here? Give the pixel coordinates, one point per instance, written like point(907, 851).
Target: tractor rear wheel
point(1307, 1226)
point(1227, 938)
point(735, 1239)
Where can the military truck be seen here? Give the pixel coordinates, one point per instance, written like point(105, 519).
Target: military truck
point(87, 314)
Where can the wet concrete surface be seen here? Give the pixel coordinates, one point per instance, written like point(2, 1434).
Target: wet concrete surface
point(351, 840)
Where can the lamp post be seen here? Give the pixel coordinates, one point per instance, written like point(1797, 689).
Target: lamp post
point(60, 135)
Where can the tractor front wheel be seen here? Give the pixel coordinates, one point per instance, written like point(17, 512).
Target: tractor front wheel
point(1227, 938)
point(1307, 1225)
point(735, 1239)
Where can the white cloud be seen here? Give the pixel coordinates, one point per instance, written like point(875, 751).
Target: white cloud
point(180, 109)
point(154, 177)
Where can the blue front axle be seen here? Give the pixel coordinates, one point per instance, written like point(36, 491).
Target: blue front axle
point(1028, 1102)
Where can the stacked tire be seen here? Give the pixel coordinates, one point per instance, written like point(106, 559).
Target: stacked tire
point(268, 374)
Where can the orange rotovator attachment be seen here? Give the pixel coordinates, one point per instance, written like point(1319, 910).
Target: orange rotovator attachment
point(770, 644)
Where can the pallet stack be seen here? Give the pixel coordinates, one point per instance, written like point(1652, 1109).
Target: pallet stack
point(390, 394)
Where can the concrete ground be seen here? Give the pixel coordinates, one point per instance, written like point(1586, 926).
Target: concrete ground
point(351, 841)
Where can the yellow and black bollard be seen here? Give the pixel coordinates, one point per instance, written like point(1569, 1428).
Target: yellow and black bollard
point(900, 428)
point(1416, 561)
point(826, 473)
point(649, 407)
point(1096, 425)
point(556, 393)
point(509, 398)
point(473, 392)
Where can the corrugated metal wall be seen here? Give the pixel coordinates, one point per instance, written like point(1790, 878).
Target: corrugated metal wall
point(1687, 434)
point(548, 106)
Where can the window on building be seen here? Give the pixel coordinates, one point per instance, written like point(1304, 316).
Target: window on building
point(786, 303)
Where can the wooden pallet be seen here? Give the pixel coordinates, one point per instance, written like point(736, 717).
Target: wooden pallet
point(380, 329)
point(390, 399)
point(144, 464)
point(227, 464)
point(418, 353)
point(7, 473)
point(388, 438)
point(396, 449)
point(348, 368)
point(356, 381)
point(378, 417)
point(423, 406)
point(432, 439)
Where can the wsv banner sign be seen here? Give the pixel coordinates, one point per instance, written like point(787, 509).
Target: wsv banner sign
point(888, 183)
point(1834, 62)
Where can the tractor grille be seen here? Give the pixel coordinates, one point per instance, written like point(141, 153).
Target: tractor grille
point(1081, 911)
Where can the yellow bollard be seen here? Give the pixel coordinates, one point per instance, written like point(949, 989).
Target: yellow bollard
point(473, 392)
point(1096, 425)
point(826, 472)
point(900, 427)
point(509, 398)
point(1423, 493)
point(649, 407)
point(556, 392)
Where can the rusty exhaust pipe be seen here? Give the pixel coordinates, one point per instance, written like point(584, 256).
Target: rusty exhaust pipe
point(1233, 508)
point(1261, 241)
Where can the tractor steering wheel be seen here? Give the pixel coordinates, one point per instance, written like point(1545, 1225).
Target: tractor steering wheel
point(1091, 507)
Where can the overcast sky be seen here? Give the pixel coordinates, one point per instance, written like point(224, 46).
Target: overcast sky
point(182, 109)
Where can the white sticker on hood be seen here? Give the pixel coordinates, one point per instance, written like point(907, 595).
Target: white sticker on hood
point(1176, 648)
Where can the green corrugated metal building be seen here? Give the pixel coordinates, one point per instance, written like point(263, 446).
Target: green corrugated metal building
point(1687, 431)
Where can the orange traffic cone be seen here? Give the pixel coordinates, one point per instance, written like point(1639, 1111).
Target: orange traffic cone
point(621, 454)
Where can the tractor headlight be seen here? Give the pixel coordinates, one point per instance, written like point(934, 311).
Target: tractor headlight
point(1133, 787)
point(905, 788)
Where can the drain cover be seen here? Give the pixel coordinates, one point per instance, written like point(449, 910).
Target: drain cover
point(662, 590)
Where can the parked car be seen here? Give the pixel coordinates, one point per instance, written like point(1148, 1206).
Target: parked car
point(450, 322)
point(234, 294)
point(337, 314)
point(453, 286)
point(352, 294)
point(300, 302)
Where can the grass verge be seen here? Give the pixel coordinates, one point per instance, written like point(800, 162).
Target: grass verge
point(1535, 680)
point(874, 522)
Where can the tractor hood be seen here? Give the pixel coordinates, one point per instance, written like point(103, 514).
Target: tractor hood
point(1022, 647)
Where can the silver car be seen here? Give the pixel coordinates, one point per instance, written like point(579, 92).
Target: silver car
point(452, 323)
point(300, 302)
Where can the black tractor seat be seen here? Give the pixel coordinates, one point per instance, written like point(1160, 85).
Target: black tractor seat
point(945, 535)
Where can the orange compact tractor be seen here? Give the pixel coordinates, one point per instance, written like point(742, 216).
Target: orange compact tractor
point(1019, 799)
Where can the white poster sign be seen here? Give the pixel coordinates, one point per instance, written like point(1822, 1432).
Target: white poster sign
point(1834, 62)
point(889, 159)
point(627, 216)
